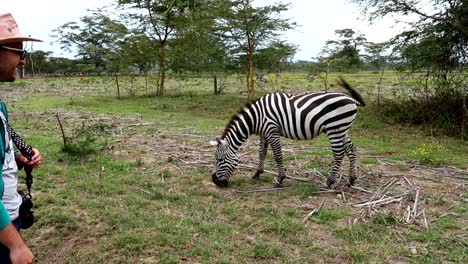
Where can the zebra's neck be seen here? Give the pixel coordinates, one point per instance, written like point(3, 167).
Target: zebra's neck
point(241, 126)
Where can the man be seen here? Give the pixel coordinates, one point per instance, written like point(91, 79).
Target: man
point(12, 247)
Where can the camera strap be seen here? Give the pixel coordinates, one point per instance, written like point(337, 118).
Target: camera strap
point(26, 151)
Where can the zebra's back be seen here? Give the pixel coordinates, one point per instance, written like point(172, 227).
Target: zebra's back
point(305, 116)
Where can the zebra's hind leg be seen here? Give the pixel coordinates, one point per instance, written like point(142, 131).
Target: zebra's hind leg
point(352, 155)
point(262, 155)
point(338, 156)
point(338, 145)
point(274, 141)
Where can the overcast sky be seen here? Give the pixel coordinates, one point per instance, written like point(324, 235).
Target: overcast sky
point(318, 20)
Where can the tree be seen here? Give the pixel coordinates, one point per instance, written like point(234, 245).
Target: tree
point(37, 62)
point(438, 37)
point(435, 48)
point(246, 28)
point(94, 38)
point(275, 56)
point(378, 57)
point(344, 52)
point(158, 19)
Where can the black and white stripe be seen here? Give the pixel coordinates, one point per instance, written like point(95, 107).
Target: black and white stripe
point(301, 117)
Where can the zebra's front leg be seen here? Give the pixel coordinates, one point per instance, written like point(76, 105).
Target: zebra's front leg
point(274, 141)
point(262, 155)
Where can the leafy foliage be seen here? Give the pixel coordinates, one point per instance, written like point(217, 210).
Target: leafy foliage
point(94, 40)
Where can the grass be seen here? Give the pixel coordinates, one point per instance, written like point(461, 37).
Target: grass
point(132, 200)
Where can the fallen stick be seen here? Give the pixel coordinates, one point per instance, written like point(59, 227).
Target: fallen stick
point(415, 206)
point(299, 179)
point(252, 167)
point(313, 212)
point(360, 189)
point(344, 197)
point(263, 190)
point(380, 202)
point(425, 219)
point(408, 214)
point(146, 192)
point(407, 181)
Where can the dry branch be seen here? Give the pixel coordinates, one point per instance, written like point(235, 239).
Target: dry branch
point(313, 212)
point(383, 201)
point(263, 190)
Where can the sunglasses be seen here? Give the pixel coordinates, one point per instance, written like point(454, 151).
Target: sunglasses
point(21, 52)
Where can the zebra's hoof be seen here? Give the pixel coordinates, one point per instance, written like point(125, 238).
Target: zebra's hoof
point(330, 183)
point(351, 181)
point(278, 185)
point(257, 175)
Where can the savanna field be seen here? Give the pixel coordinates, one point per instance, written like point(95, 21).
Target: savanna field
point(129, 179)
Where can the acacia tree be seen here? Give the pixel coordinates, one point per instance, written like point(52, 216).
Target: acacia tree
point(275, 56)
point(158, 19)
point(344, 51)
point(436, 46)
point(377, 55)
point(37, 62)
point(245, 28)
point(196, 49)
point(438, 37)
point(93, 39)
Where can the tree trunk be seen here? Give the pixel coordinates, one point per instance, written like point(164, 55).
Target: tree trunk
point(162, 75)
point(146, 83)
point(118, 87)
point(215, 85)
point(379, 87)
point(250, 77)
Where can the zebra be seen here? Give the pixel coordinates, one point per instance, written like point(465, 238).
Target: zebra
point(303, 116)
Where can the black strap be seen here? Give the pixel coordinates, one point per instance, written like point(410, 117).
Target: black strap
point(26, 151)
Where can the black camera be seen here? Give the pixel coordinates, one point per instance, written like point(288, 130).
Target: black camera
point(26, 214)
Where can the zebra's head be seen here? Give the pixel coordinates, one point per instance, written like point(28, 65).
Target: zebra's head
point(225, 162)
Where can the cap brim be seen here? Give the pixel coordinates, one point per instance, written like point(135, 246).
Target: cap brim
point(18, 39)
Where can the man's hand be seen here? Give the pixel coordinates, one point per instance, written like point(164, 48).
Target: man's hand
point(21, 255)
point(35, 161)
point(19, 252)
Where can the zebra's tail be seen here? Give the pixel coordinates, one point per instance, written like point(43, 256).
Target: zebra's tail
point(353, 93)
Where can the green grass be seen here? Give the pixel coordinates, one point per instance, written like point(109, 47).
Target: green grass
point(126, 202)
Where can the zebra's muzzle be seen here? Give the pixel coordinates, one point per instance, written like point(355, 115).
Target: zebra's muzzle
point(219, 183)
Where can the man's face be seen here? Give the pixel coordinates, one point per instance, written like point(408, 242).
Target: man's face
point(9, 61)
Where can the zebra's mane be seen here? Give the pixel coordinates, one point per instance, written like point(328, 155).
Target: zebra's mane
point(235, 117)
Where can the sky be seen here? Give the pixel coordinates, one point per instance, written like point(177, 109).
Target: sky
point(318, 20)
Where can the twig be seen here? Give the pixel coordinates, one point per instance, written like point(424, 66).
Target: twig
point(425, 219)
point(344, 197)
point(408, 214)
point(360, 189)
point(63, 132)
point(409, 183)
point(380, 202)
point(415, 206)
point(316, 172)
point(299, 179)
point(313, 212)
point(145, 191)
point(263, 190)
point(252, 167)
point(181, 173)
